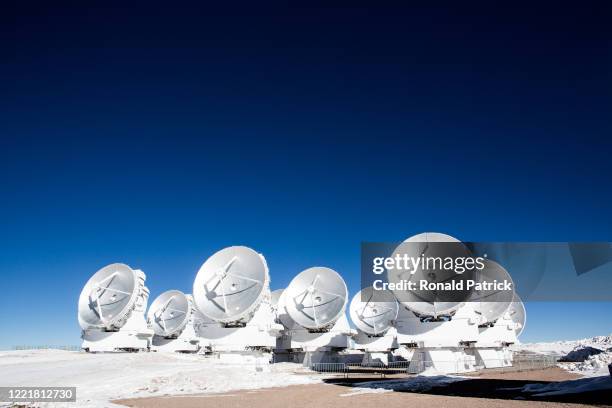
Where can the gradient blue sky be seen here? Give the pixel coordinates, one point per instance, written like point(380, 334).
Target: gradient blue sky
point(156, 135)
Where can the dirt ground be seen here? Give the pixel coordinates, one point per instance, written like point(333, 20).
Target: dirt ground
point(478, 392)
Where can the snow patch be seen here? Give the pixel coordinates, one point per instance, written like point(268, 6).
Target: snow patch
point(569, 387)
point(592, 366)
point(361, 391)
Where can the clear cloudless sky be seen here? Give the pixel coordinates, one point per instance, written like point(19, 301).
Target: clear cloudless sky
point(157, 134)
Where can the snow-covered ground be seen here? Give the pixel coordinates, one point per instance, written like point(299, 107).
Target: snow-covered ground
point(578, 351)
point(103, 377)
point(100, 378)
point(592, 366)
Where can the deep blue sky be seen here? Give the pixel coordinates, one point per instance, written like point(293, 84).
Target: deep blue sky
point(156, 135)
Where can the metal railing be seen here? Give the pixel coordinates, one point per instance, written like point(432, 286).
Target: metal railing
point(374, 367)
point(519, 363)
point(70, 347)
point(370, 364)
point(522, 362)
point(399, 365)
point(329, 367)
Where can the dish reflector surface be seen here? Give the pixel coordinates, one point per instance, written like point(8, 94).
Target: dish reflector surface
point(316, 297)
point(107, 296)
point(429, 302)
point(169, 313)
point(492, 304)
point(275, 297)
point(373, 318)
point(518, 314)
point(230, 284)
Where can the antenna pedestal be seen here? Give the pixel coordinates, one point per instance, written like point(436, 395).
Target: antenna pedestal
point(384, 343)
point(491, 357)
point(298, 344)
point(300, 338)
point(461, 329)
point(377, 350)
point(439, 345)
point(186, 342)
point(134, 335)
point(443, 360)
point(98, 341)
point(376, 359)
point(492, 348)
point(259, 334)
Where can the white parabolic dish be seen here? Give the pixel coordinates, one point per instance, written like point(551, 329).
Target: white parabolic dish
point(427, 303)
point(107, 297)
point(169, 313)
point(492, 304)
point(372, 318)
point(230, 284)
point(518, 314)
point(316, 297)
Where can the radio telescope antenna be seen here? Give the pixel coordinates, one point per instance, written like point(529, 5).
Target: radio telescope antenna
point(428, 303)
point(169, 313)
point(372, 317)
point(231, 284)
point(518, 314)
point(108, 297)
point(316, 298)
point(492, 304)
